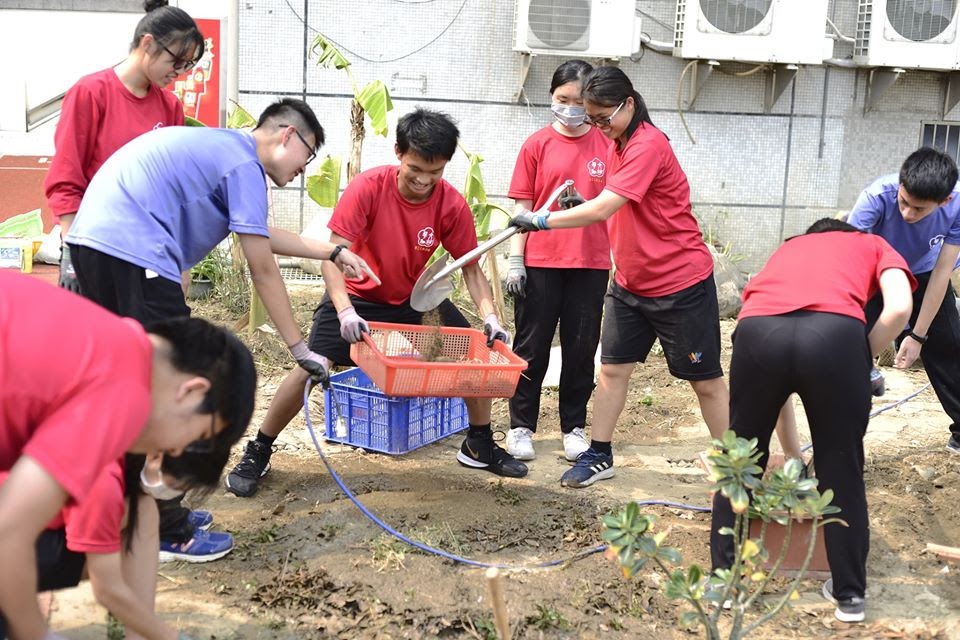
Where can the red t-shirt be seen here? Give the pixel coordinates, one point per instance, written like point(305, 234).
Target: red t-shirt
point(834, 272)
point(657, 245)
point(546, 159)
point(99, 116)
point(395, 236)
point(73, 402)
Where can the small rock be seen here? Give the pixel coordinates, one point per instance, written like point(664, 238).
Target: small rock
point(925, 472)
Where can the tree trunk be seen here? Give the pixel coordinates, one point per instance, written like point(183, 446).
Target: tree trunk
point(356, 140)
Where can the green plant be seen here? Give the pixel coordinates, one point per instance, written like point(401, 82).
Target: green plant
point(780, 496)
point(211, 267)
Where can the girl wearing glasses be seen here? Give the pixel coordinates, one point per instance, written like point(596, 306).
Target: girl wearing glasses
point(558, 278)
point(107, 109)
point(663, 286)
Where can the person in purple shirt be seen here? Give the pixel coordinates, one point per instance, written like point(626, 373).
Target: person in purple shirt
point(161, 203)
point(918, 213)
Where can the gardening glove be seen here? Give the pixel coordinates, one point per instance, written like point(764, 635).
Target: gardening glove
point(493, 330)
point(352, 326)
point(570, 198)
point(877, 386)
point(516, 277)
point(530, 221)
point(68, 277)
point(314, 364)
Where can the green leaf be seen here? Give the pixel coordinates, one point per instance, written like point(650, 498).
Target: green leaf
point(474, 191)
point(240, 118)
point(324, 186)
point(328, 56)
point(689, 619)
point(375, 100)
point(192, 122)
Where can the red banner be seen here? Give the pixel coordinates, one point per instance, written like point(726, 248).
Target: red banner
point(199, 88)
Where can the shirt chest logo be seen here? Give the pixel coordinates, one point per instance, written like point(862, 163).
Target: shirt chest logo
point(935, 241)
point(596, 168)
point(426, 238)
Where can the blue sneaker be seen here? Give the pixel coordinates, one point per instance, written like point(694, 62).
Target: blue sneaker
point(591, 466)
point(204, 546)
point(200, 520)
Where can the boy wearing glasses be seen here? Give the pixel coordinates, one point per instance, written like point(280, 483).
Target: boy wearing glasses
point(162, 202)
point(72, 408)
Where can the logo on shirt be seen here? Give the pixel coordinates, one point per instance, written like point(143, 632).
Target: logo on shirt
point(936, 240)
point(596, 168)
point(426, 237)
point(696, 357)
point(159, 125)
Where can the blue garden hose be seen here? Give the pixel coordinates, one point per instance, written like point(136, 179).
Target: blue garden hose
point(477, 563)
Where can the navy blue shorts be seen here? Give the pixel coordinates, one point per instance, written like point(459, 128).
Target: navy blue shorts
point(686, 322)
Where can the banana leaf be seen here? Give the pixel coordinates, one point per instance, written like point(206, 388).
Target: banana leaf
point(376, 102)
point(324, 186)
point(328, 55)
point(192, 122)
point(240, 118)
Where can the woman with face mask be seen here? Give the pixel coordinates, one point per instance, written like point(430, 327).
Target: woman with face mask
point(558, 278)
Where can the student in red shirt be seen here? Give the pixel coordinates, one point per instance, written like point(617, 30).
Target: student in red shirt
point(107, 109)
point(802, 329)
point(663, 286)
point(560, 277)
point(70, 408)
point(394, 217)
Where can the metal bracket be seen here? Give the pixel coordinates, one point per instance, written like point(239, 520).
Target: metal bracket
point(878, 83)
point(951, 93)
point(700, 74)
point(776, 81)
point(526, 58)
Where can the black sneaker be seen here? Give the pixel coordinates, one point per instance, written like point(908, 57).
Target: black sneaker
point(483, 453)
point(244, 480)
point(953, 445)
point(848, 609)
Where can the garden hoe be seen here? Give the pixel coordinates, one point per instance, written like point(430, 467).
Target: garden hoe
point(434, 284)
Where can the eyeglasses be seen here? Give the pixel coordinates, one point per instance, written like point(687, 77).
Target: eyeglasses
point(604, 122)
point(179, 64)
point(313, 153)
point(205, 445)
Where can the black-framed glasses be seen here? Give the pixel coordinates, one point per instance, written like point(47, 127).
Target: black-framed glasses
point(205, 445)
point(604, 122)
point(179, 64)
point(313, 153)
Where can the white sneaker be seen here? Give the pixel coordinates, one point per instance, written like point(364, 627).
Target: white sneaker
point(520, 443)
point(575, 443)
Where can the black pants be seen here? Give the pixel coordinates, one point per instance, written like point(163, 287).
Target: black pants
point(125, 289)
point(574, 299)
point(825, 359)
point(941, 352)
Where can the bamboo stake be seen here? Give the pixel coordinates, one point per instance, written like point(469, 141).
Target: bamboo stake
point(499, 606)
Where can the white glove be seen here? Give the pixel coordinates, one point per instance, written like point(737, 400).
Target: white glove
point(493, 330)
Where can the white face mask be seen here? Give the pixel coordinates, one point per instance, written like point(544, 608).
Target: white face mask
point(569, 115)
point(159, 489)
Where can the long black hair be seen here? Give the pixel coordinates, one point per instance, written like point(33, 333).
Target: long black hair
point(171, 27)
point(610, 87)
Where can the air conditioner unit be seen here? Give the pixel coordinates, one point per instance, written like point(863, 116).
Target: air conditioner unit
point(777, 31)
point(580, 28)
point(912, 34)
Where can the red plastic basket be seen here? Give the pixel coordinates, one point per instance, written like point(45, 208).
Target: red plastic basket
point(392, 356)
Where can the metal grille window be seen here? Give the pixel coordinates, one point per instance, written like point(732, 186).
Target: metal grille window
point(919, 21)
point(944, 136)
point(735, 16)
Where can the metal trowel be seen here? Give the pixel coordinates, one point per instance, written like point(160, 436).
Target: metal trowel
point(435, 284)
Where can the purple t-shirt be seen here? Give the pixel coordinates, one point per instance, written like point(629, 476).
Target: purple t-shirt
point(877, 211)
point(164, 200)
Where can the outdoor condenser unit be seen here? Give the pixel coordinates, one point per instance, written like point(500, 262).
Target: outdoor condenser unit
point(578, 28)
point(909, 34)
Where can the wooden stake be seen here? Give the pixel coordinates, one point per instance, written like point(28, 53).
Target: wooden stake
point(947, 553)
point(499, 606)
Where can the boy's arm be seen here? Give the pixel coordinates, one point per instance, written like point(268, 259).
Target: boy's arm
point(286, 243)
point(29, 499)
point(112, 591)
point(333, 279)
point(479, 288)
point(932, 299)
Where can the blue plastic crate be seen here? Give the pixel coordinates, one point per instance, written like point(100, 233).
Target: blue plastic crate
point(378, 422)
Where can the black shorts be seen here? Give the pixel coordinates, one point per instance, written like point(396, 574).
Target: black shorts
point(125, 289)
point(686, 322)
point(57, 566)
point(325, 334)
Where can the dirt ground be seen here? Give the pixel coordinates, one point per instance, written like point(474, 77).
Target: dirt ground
point(309, 564)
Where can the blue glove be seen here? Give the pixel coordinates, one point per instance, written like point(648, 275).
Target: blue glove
point(517, 277)
point(530, 221)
